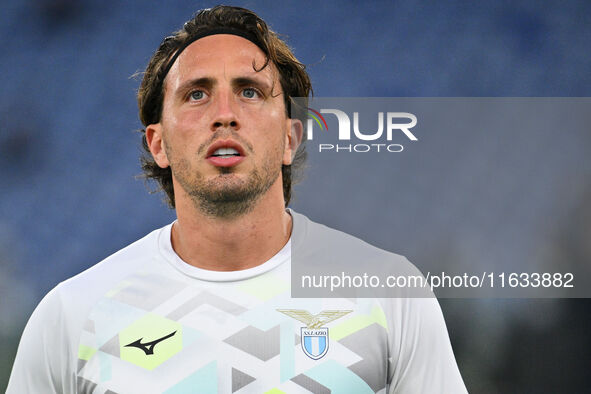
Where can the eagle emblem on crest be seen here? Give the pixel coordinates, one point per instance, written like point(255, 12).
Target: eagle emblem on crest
point(313, 321)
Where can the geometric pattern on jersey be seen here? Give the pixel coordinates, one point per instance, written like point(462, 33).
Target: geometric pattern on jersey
point(228, 338)
point(144, 321)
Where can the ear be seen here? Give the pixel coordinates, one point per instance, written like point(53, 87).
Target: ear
point(293, 139)
point(156, 144)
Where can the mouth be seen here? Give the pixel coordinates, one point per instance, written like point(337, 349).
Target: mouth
point(225, 153)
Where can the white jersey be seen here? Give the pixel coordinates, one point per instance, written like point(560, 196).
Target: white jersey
point(144, 321)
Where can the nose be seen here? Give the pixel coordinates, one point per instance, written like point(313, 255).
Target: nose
point(225, 115)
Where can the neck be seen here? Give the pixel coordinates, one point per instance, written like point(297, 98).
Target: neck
point(231, 244)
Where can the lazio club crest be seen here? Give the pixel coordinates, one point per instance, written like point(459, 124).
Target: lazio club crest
point(314, 337)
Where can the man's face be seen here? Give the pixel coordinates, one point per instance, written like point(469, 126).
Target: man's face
point(224, 129)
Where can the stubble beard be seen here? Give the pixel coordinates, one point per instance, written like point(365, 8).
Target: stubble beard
point(226, 196)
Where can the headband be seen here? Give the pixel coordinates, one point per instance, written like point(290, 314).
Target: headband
point(210, 32)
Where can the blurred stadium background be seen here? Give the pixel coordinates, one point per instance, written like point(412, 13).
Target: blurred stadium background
point(69, 156)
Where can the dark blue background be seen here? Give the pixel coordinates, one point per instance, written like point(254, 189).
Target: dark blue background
point(69, 155)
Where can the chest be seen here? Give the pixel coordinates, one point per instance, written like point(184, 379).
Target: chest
point(231, 339)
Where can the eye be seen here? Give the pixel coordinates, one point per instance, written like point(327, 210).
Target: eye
point(197, 95)
point(250, 93)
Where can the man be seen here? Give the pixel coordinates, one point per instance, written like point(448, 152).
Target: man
point(203, 305)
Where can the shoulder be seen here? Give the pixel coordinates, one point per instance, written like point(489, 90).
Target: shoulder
point(46, 356)
point(323, 252)
point(101, 276)
point(308, 233)
point(72, 299)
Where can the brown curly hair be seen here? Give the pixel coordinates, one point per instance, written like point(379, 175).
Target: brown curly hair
point(293, 77)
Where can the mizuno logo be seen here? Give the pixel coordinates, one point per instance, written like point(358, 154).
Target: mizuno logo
point(148, 347)
point(313, 321)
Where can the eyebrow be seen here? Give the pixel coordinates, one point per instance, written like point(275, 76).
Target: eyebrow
point(209, 83)
point(247, 81)
point(185, 87)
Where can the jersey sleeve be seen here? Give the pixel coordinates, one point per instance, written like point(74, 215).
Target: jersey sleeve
point(421, 356)
point(41, 364)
